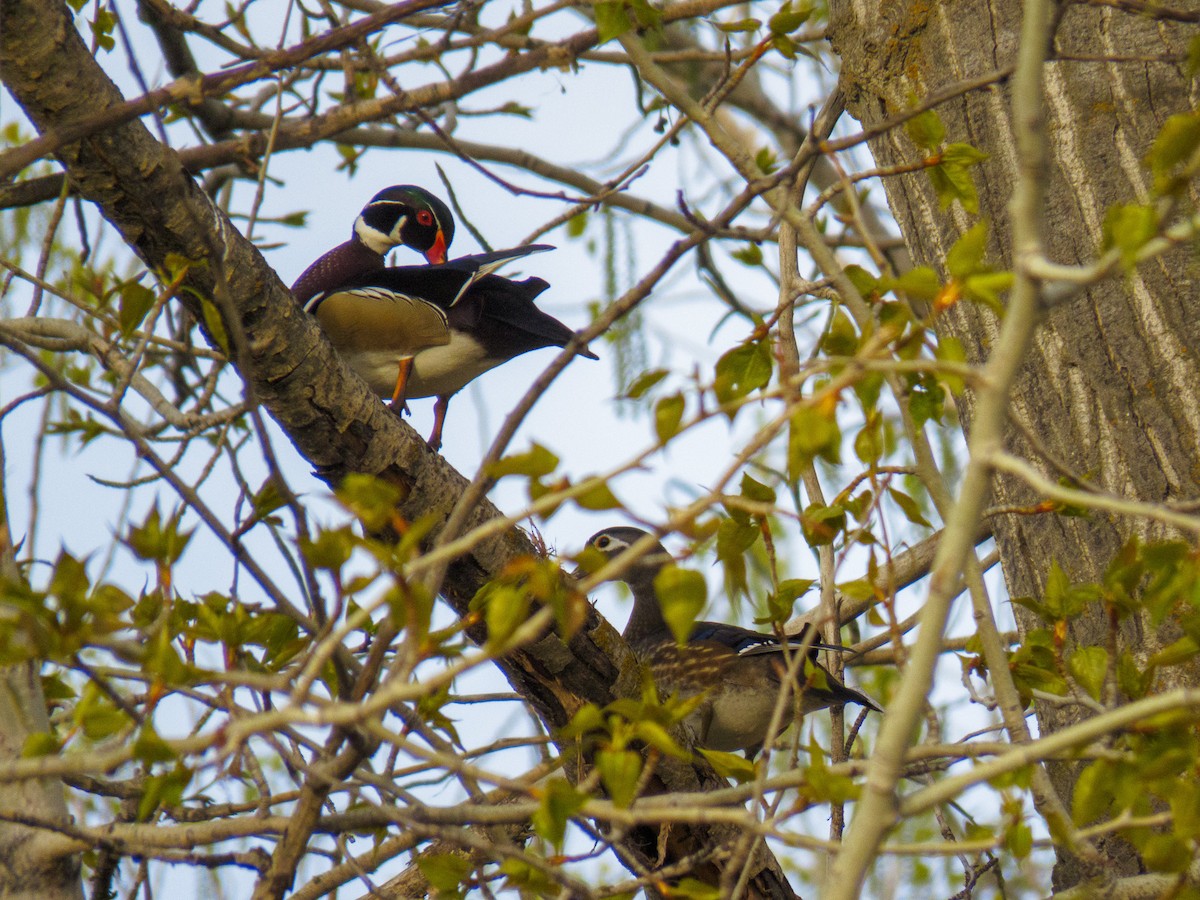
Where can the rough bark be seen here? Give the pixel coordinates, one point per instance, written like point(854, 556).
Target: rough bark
point(30, 870)
point(331, 417)
point(29, 867)
point(1107, 383)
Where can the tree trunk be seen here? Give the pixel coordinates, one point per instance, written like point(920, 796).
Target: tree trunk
point(30, 867)
point(1106, 384)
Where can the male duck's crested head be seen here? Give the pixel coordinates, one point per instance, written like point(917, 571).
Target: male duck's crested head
point(409, 215)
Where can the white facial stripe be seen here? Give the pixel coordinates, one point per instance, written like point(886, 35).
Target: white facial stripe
point(395, 233)
point(379, 241)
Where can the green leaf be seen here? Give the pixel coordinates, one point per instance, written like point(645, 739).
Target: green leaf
point(577, 225)
point(444, 871)
point(986, 288)
point(536, 462)
point(136, 301)
point(734, 538)
point(963, 155)
point(645, 382)
point(371, 499)
point(742, 370)
point(952, 178)
point(739, 25)
point(823, 785)
point(756, 491)
point(868, 443)
point(214, 324)
point(922, 283)
point(751, 255)
point(159, 541)
point(1132, 680)
point(101, 720)
point(966, 256)
point(864, 282)
point(790, 17)
point(586, 720)
point(507, 608)
point(1175, 653)
point(150, 748)
point(668, 415)
point(1093, 792)
point(692, 889)
point(163, 790)
point(1166, 853)
point(950, 350)
point(163, 660)
point(729, 765)
point(620, 771)
point(781, 602)
point(821, 525)
point(766, 160)
point(647, 16)
point(527, 880)
point(612, 20)
point(792, 589)
point(682, 594)
point(1178, 139)
point(1088, 666)
point(812, 432)
point(328, 550)
point(1063, 599)
point(598, 497)
point(1128, 228)
point(102, 27)
point(909, 507)
point(40, 743)
point(926, 401)
point(1018, 838)
point(267, 499)
point(926, 130)
point(560, 801)
point(294, 220)
point(1185, 808)
point(656, 736)
point(841, 339)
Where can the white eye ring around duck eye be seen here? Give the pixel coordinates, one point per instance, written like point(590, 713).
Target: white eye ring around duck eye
point(602, 543)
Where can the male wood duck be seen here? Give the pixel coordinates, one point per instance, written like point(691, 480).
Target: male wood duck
point(419, 331)
point(422, 331)
point(740, 672)
point(401, 214)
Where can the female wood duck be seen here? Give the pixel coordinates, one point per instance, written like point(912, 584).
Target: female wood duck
point(401, 214)
point(421, 331)
point(739, 672)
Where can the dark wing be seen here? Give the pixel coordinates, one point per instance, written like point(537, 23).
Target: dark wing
point(745, 642)
point(511, 304)
point(471, 269)
point(438, 285)
point(485, 263)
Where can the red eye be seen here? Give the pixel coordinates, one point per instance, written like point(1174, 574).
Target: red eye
point(425, 217)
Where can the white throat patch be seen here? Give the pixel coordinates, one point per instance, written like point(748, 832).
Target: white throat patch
point(377, 240)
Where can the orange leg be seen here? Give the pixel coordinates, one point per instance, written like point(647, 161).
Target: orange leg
point(404, 369)
point(440, 405)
